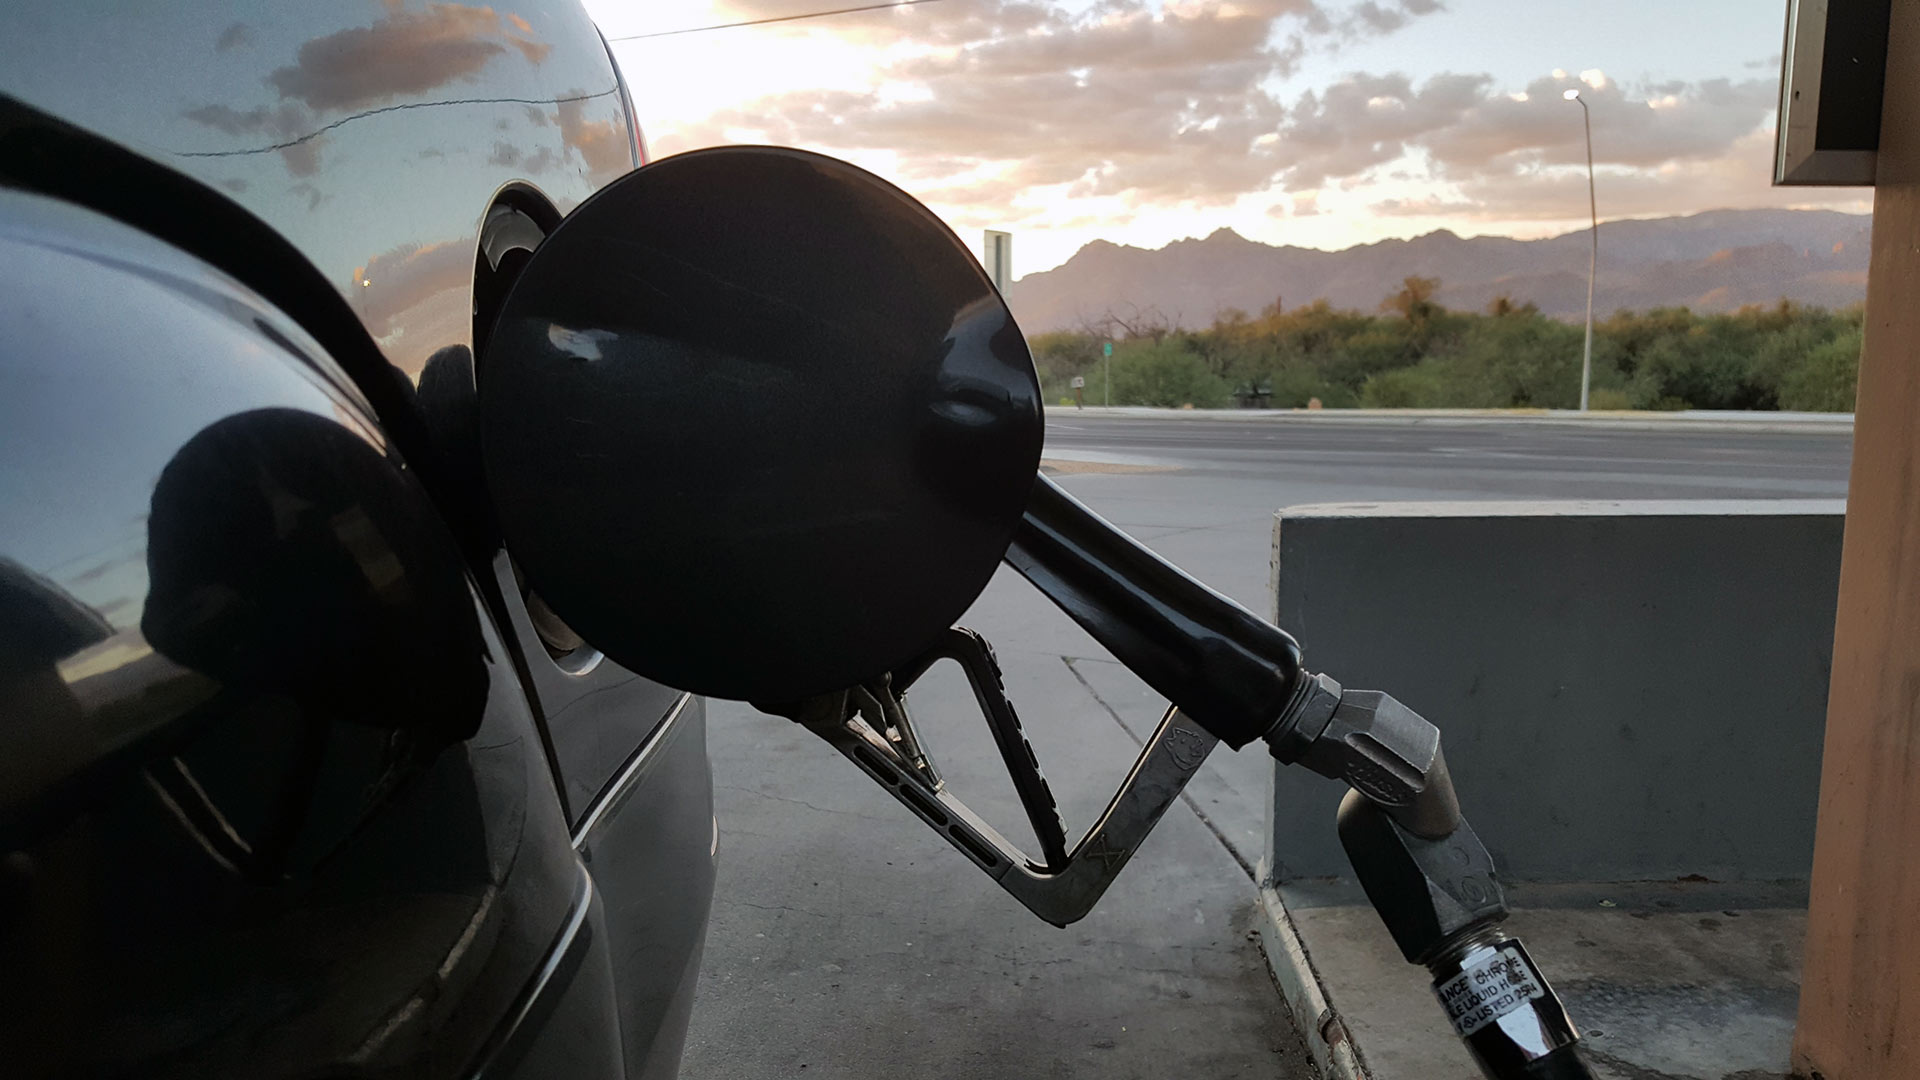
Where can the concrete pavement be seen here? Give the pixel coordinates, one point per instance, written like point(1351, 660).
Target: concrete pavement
point(849, 941)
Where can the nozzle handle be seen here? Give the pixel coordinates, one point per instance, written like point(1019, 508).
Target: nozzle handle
point(1228, 669)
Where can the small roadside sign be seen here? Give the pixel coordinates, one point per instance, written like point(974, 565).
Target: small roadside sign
point(998, 251)
point(1106, 348)
point(1079, 381)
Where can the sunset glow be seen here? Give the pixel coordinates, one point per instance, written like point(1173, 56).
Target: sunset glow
point(1288, 121)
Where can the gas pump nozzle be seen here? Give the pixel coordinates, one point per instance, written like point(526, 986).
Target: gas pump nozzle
point(1233, 678)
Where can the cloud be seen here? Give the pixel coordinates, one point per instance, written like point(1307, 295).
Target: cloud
point(1365, 121)
point(993, 98)
point(1305, 204)
point(395, 282)
point(602, 144)
point(299, 146)
point(509, 155)
point(1018, 114)
point(402, 54)
point(231, 121)
point(1375, 18)
point(313, 195)
point(1470, 131)
point(1512, 158)
point(303, 158)
point(1736, 177)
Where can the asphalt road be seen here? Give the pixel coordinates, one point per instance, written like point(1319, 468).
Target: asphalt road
point(1209, 499)
point(1493, 460)
point(849, 941)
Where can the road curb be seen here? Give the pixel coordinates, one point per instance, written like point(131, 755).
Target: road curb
point(1326, 1035)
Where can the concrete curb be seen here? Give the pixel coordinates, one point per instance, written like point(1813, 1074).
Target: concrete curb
point(1781, 423)
point(1320, 1027)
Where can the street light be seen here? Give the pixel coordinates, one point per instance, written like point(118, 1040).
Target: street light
point(1593, 259)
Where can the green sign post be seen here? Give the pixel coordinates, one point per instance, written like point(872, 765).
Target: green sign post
point(1106, 363)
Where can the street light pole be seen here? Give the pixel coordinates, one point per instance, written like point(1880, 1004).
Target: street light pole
point(1593, 257)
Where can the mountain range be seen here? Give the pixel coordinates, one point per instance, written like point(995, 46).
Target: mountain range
point(1718, 260)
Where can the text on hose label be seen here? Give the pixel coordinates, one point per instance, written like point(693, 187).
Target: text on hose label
point(1488, 989)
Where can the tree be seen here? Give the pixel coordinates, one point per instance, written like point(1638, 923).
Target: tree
point(1416, 352)
point(1414, 301)
point(1131, 322)
point(1824, 380)
point(1059, 356)
point(1168, 375)
point(1519, 359)
point(1401, 388)
point(1502, 306)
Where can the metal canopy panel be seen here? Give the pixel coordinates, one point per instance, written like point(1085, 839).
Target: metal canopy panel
point(1833, 67)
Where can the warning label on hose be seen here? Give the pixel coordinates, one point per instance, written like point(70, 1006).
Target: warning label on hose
point(1487, 989)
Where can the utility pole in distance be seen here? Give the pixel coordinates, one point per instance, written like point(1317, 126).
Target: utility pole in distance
point(1593, 257)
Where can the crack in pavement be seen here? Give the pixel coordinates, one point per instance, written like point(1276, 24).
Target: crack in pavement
point(773, 907)
point(1173, 530)
point(1185, 796)
point(803, 802)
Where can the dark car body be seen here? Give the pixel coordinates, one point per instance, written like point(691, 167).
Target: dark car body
point(297, 777)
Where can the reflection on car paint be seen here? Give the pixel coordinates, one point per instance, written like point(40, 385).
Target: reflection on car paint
point(305, 874)
point(273, 802)
point(371, 135)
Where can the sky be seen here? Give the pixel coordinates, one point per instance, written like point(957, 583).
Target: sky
point(1321, 123)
